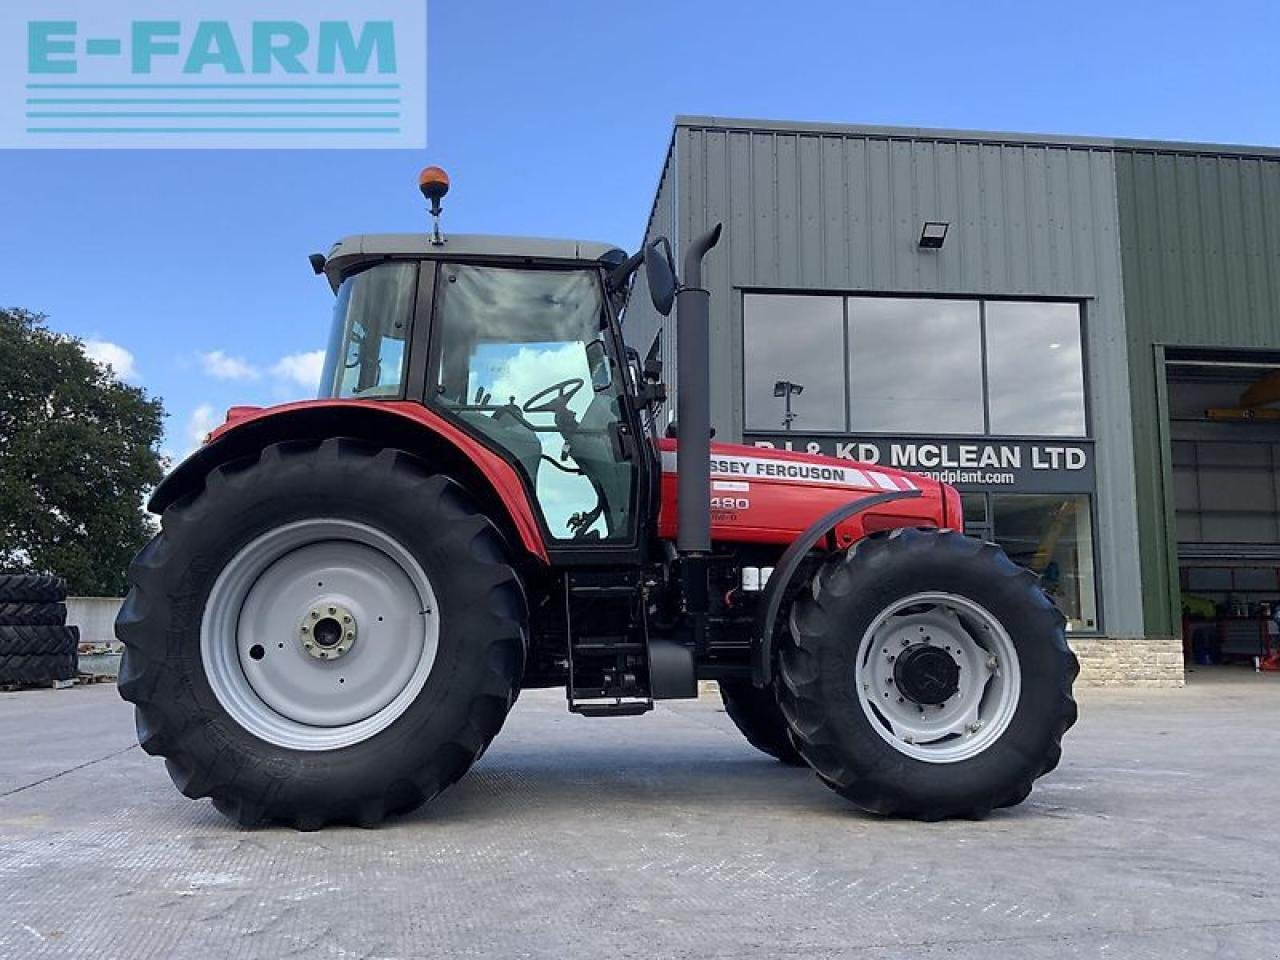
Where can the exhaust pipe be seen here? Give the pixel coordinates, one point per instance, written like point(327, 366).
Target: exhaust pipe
point(693, 404)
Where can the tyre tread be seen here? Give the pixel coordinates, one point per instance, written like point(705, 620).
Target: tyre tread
point(29, 614)
point(756, 714)
point(31, 588)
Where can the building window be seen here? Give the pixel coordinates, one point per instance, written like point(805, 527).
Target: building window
point(1052, 535)
point(1035, 369)
point(922, 365)
point(793, 352)
point(915, 366)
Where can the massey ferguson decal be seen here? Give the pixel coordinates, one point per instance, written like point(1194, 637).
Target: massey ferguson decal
point(792, 471)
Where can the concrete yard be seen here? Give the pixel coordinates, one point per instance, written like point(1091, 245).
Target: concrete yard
point(660, 836)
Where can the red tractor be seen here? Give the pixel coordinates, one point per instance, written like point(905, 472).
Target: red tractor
point(348, 594)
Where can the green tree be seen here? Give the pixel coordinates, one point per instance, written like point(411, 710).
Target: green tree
point(78, 451)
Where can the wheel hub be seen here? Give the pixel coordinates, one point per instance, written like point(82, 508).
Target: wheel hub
point(938, 676)
point(926, 675)
point(328, 631)
point(319, 633)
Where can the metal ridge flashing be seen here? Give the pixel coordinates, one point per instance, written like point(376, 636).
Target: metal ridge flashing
point(974, 136)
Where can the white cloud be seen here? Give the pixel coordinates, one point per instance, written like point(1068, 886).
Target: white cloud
point(301, 369)
point(222, 366)
point(112, 355)
point(202, 419)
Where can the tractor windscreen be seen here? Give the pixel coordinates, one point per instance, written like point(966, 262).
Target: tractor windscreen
point(367, 343)
point(526, 360)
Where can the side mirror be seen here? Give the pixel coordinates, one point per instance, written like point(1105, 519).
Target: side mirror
point(601, 368)
point(660, 269)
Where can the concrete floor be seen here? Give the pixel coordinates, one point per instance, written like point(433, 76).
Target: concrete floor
point(660, 836)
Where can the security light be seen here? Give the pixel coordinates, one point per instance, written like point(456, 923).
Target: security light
point(785, 390)
point(933, 235)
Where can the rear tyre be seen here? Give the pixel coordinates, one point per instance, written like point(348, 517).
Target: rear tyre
point(31, 588)
point(326, 633)
point(756, 713)
point(33, 614)
point(39, 641)
point(34, 668)
point(926, 675)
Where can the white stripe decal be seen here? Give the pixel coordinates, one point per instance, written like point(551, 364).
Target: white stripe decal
point(883, 482)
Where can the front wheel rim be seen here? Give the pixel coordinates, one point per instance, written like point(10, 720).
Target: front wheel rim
point(319, 634)
point(961, 687)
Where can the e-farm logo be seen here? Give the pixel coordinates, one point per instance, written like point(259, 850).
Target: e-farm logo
point(314, 74)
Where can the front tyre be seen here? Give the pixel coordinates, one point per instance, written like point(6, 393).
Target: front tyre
point(326, 633)
point(926, 675)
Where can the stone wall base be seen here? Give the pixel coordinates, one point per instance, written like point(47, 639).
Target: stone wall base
point(1104, 662)
point(1129, 661)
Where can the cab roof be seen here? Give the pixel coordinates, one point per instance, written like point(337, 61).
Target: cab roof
point(356, 251)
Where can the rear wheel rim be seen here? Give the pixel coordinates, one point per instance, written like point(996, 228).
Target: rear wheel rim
point(319, 634)
point(960, 686)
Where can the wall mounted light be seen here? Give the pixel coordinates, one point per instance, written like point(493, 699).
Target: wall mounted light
point(933, 235)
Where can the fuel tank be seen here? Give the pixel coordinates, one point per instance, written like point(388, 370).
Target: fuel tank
point(771, 496)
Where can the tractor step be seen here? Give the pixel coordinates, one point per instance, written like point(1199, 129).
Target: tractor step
point(608, 645)
point(623, 708)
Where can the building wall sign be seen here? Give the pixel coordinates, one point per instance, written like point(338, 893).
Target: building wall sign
point(971, 464)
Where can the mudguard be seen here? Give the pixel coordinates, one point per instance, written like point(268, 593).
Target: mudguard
point(780, 581)
point(411, 426)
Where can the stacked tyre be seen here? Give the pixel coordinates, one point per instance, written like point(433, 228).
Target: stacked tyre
point(36, 646)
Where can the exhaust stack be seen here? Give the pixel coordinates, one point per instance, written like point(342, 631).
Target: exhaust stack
point(693, 404)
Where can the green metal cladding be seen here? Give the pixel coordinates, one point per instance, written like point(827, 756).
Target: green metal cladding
point(1200, 250)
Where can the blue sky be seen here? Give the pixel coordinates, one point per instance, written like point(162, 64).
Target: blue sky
point(189, 267)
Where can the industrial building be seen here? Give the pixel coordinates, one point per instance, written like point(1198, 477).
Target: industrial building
point(1082, 335)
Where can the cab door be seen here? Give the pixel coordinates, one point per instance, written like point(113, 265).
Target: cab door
point(526, 360)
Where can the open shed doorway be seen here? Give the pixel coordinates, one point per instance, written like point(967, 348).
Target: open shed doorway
point(1224, 433)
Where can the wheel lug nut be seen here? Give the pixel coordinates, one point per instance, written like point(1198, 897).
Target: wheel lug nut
point(346, 619)
point(992, 662)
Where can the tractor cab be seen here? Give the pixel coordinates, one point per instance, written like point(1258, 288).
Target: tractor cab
point(516, 341)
